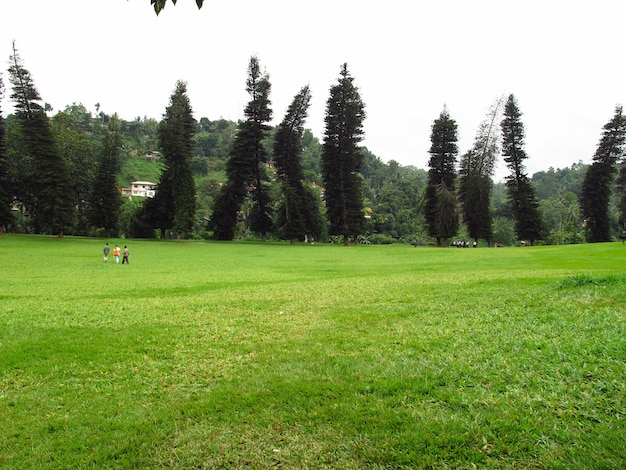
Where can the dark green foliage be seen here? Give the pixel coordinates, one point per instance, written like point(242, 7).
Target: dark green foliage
point(621, 191)
point(20, 183)
point(80, 151)
point(596, 190)
point(396, 199)
point(105, 198)
point(475, 183)
point(447, 219)
point(224, 217)
point(176, 189)
point(53, 209)
point(246, 168)
point(259, 113)
point(296, 214)
point(134, 221)
point(6, 217)
point(158, 5)
point(552, 181)
point(441, 178)
point(521, 193)
point(342, 158)
point(475, 196)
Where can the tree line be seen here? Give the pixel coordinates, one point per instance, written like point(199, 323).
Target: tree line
point(225, 180)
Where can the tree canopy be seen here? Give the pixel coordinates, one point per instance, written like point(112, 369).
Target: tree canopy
point(247, 162)
point(596, 190)
point(176, 140)
point(296, 216)
point(52, 209)
point(475, 183)
point(521, 193)
point(105, 198)
point(160, 4)
point(440, 200)
point(342, 158)
point(5, 200)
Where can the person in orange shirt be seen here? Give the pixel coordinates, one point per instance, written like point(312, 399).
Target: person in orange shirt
point(116, 254)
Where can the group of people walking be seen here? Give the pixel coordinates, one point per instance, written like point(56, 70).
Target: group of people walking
point(463, 244)
point(116, 254)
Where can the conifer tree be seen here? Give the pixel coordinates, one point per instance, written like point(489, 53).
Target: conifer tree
point(621, 191)
point(5, 198)
point(441, 180)
point(596, 190)
point(294, 217)
point(342, 158)
point(520, 192)
point(246, 168)
point(475, 177)
point(53, 210)
point(176, 140)
point(105, 197)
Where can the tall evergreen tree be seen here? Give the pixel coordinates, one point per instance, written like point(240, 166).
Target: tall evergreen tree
point(342, 158)
point(176, 140)
point(441, 179)
point(621, 190)
point(53, 210)
point(105, 198)
point(247, 163)
point(447, 220)
point(520, 192)
point(294, 215)
point(80, 150)
point(5, 198)
point(475, 177)
point(596, 190)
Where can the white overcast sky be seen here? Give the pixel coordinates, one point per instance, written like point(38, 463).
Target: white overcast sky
point(563, 60)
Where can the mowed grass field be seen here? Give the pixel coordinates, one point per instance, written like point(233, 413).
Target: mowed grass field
point(251, 355)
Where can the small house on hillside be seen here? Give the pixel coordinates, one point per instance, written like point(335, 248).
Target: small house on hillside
point(142, 188)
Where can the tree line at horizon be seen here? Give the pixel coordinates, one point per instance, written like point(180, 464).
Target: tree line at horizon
point(225, 180)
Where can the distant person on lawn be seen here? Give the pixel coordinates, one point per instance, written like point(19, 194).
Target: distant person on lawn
point(105, 251)
point(116, 253)
point(125, 257)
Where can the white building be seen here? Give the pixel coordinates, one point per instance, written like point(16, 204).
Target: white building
point(142, 188)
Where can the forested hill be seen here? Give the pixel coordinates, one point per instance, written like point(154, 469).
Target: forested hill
point(394, 193)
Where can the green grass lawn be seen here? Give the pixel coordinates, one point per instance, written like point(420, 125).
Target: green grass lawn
point(250, 355)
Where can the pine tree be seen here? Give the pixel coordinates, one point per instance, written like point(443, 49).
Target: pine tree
point(342, 158)
point(294, 218)
point(621, 191)
point(105, 197)
point(53, 210)
point(441, 179)
point(475, 177)
point(176, 140)
point(521, 194)
point(6, 217)
point(596, 190)
point(79, 147)
point(246, 168)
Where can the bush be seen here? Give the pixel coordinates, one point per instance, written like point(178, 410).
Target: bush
point(381, 239)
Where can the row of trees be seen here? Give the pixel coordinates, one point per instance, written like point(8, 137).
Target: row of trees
point(298, 208)
point(472, 194)
point(223, 179)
